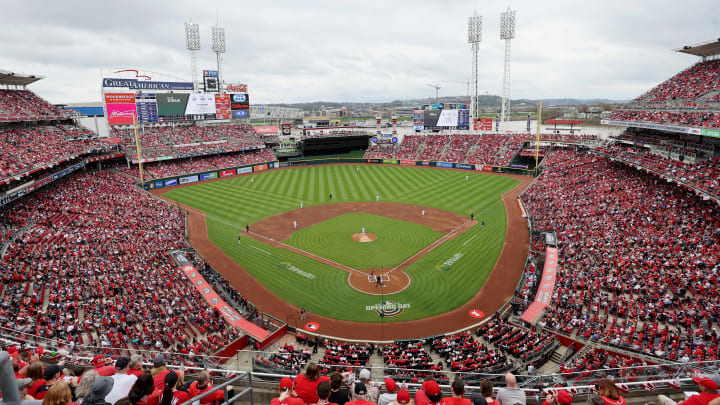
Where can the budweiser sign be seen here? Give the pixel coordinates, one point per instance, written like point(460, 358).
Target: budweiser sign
point(236, 88)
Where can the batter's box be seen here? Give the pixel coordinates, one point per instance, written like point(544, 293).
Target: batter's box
point(373, 278)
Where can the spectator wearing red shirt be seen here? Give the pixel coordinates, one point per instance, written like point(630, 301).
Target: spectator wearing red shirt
point(708, 392)
point(306, 384)
point(171, 394)
point(609, 392)
point(102, 366)
point(287, 394)
point(202, 385)
point(430, 394)
point(135, 367)
point(159, 371)
point(458, 390)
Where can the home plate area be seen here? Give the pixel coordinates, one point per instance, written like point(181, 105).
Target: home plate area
point(373, 278)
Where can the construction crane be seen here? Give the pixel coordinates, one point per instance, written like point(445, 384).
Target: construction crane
point(437, 90)
point(437, 87)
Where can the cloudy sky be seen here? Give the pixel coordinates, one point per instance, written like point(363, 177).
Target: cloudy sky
point(372, 50)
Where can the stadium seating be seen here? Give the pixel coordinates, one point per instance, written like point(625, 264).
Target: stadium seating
point(26, 105)
point(707, 119)
point(615, 225)
point(91, 269)
point(180, 141)
point(690, 84)
point(24, 149)
point(169, 168)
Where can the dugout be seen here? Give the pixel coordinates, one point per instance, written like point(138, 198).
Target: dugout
point(331, 145)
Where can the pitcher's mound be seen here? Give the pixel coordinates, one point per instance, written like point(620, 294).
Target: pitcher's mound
point(364, 237)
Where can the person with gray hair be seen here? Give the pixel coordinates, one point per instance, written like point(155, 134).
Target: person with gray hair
point(83, 388)
point(511, 394)
point(135, 367)
point(201, 386)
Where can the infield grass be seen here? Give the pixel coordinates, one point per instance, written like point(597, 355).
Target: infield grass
point(442, 280)
point(396, 240)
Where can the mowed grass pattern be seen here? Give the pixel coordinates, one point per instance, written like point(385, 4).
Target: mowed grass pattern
point(396, 240)
point(436, 288)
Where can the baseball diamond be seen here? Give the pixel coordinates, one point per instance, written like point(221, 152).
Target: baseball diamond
point(428, 280)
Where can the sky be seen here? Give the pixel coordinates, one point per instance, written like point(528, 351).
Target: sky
point(361, 51)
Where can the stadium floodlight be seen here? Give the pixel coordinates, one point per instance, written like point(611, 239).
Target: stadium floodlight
point(218, 46)
point(507, 33)
point(192, 43)
point(474, 38)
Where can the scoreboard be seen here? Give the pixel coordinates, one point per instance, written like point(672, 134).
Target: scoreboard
point(441, 116)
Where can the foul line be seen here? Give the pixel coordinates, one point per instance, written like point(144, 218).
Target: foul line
point(264, 251)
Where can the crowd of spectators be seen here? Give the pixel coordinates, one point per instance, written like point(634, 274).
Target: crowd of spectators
point(409, 361)
point(26, 105)
point(462, 353)
point(170, 168)
point(688, 85)
point(488, 149)
point(520, 343)
point(92, 270)
point(704, 175)
point(614, 226)
point(703, 119)
point(179, 141)
point(23, 149)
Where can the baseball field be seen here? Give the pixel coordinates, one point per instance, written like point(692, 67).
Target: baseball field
point(433, 258)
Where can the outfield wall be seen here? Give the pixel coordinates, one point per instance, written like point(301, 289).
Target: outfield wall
point(208, 175)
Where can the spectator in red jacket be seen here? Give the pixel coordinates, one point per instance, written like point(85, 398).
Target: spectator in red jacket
point(202, 385)
point(159, 371)
point(287, 394)
point(708, 392)
point(306, 384)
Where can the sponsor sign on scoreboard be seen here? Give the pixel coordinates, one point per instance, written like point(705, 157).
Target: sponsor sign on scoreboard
point(200, 104)
point(136, 84)
point(239, 101)
point(222, 106)
point(120, 113)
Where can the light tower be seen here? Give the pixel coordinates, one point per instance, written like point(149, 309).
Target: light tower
point(507, 32)
point(474, 38)
point(218, 46)
point(192, 42)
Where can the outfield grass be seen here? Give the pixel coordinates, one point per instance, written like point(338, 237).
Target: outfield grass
point(396, 240)
point(442, 280)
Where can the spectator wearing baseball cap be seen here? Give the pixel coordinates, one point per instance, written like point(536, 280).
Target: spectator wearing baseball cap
point(52, 374)
point(102, 366)
point(708, 392)
point(287, 394)
point(458, 390)
point(372, 390)
point(403, 398)
point(387, 397)
point(360, 394)
point(122, 381)
point(99, 390)
point(429, 393)
point(561, 398)
point(159, 371)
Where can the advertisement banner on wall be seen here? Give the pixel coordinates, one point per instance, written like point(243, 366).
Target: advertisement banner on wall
point(119, 98)
point(464, 166)
point(239, 102)
point(136, 84)
point(259, 168)
point(443, 164)
point(159, 184)
point(171, 182)
point(423, 163)
point(171, 104)
point(188, 179)
point(208, 176)
point(222, 106)
point(390, 161)
point(227, 173)
point(407, 162)
point(240, 114)
point(243, 170)
point(545, 289)
point(200, 104)
point(120, 113)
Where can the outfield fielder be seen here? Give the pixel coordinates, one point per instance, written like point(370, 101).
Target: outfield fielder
point(294, 224)
point(377, 198)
